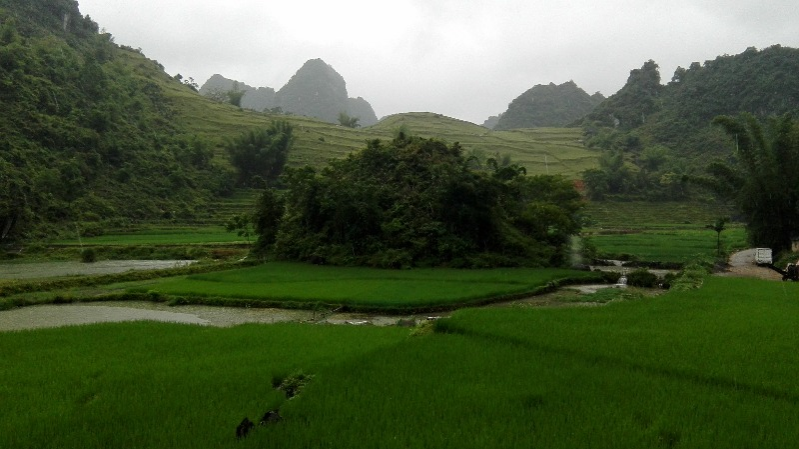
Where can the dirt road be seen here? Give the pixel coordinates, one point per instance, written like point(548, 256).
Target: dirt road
point(742, 264)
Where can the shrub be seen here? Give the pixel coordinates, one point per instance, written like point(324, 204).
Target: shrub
point(88, 255)
point(642, 278)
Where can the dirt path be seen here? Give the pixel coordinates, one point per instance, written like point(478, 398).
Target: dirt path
point(742, 264)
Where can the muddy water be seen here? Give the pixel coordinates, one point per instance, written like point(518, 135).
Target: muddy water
point(43, 316)
point(86, 313)
point(59, 269)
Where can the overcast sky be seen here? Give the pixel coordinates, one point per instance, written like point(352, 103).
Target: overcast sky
point(462, 58)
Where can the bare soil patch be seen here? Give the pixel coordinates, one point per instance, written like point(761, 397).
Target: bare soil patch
point(742, 264)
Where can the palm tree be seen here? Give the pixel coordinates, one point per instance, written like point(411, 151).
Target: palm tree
point(719, 225)
point(763, 177)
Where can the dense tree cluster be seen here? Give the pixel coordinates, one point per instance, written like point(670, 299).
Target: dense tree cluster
point(416, 202)
point(762, 176)
point(260, 155)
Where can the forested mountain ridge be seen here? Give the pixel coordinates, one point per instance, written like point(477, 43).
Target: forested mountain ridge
point(656, 135)
point(548, 106)
point(761, 82)
point(88, 134)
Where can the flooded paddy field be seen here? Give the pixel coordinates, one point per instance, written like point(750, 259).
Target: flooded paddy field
point(57, 315)
point(78, 313)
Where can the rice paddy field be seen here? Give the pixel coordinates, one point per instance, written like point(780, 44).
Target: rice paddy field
point(668, 245)
point(362, 288)
point(705, 368)
point(660, 232)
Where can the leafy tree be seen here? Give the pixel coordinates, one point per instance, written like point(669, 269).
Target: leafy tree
point(763, 176)
point(261, 153)
point(611, 178)
point(718, 226)
point(345, 120)
point(242, 224)
point(416, 201)
point(268, 214)
point(235, 95)
point(189, 82)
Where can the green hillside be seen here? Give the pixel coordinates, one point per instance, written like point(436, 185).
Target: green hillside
point(98, 133)
point(662, 130)
point(540, 150)
point(85, 138)
point(548, 106)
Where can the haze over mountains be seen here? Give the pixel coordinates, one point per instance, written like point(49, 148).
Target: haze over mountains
point(316, 90)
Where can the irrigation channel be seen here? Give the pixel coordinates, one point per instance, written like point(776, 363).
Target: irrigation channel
point(44, 316)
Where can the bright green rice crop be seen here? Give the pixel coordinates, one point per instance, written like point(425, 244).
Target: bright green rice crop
point(668, 245)
point(708, 368)
point(363, 287)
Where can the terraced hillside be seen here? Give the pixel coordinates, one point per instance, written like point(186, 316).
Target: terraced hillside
point(641, 215)
point(544, 150)
point(539, 150)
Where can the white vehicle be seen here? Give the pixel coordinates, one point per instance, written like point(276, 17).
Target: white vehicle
point(763, 256)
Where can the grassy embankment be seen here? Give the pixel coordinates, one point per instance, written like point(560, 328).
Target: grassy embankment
point(706, 368)
point(302, 285)
point(294, 285)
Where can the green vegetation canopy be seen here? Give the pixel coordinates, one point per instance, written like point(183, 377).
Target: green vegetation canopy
point(415, 201)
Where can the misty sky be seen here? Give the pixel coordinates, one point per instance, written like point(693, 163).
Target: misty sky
point(465, 59)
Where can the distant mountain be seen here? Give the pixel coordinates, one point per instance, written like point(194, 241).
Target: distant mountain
point(548, 106)
point(358, 107)
point(255, 98)
point(632, 104)
point(316, 90)
point(491, 122)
